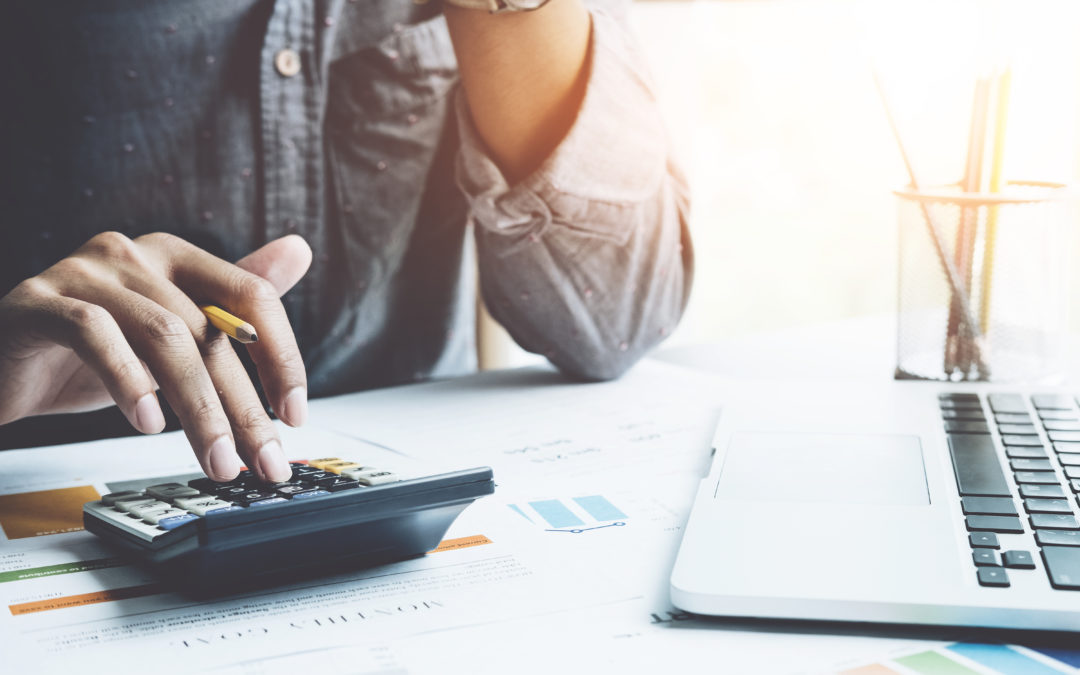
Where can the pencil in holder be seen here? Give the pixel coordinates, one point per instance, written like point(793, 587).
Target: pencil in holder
point(1010, 251)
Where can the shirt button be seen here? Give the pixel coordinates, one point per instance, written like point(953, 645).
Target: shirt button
point(287, 63)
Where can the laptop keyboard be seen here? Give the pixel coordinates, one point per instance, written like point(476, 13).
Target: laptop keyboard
point(1036, 489)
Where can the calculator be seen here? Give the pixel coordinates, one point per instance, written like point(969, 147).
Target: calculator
point(332, 514)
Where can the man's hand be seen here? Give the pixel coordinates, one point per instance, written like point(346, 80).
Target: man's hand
point(120, 318)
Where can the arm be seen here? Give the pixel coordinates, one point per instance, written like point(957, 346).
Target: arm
point(580, 210)
point(524, 75)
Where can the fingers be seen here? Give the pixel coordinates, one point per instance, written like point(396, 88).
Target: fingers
point(165, 342)
point(256, 438)
point(207, 278)
point(92, 333)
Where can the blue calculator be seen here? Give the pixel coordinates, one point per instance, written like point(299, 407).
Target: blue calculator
point(332, 515)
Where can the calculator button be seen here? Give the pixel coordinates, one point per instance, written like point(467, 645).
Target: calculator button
point(155, 517)
point(250, 497)
point(313, 493)
point(319, 463)
point(339, 467)
point(142, 510)
point(293, 489)
point(200, 506)
point(167, 492)
point(316, 477)
point(132, 526)
point(127, 504)
point(209, 486)
point(174, 522)
point(113, 497)
point(339, 484)
point(373, 477)
point(267, 502)
point(303, 469)
point(230, 491)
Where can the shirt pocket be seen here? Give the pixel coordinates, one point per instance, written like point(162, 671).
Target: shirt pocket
point(386, 113)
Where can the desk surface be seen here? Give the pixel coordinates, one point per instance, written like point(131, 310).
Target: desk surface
point(862, 348)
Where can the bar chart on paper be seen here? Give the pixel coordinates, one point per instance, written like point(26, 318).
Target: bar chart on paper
point(576, 515)
point(964, 658)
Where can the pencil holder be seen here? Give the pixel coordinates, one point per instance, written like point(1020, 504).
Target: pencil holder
point(1008, 254)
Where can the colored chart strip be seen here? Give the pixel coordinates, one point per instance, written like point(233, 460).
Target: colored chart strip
point(68, 601)
point(463, 542)
point(1067, 656)
point(600, 508)
point(1002, 659)
point(556, 513)
point(517, 509)
point(934, 663)
point(64, 568)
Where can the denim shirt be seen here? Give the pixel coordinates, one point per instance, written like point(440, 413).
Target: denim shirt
point(179, 116)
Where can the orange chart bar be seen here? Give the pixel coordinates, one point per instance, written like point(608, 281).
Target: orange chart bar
point(463, 542)
point(68, 601)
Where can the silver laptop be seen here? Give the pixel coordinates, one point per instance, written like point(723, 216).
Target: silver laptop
point(911, 503)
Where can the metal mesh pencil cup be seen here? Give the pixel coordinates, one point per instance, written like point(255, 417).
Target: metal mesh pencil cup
point(1010, 251)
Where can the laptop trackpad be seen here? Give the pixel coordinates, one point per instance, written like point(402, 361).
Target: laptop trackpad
point(824, 468)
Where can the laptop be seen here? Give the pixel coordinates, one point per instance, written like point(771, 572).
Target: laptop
point(901, 503)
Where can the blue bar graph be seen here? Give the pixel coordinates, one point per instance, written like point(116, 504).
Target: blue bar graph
point(517, 509)
point(555, 513)
point(1002, 659)
point(600, 508)
point(1069, 656)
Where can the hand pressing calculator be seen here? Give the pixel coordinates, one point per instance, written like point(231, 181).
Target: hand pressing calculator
point(333, 514)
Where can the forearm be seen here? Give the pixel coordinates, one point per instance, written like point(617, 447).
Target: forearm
point(524, 76)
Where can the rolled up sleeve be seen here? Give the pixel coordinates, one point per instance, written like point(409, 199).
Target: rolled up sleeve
point(587, 260)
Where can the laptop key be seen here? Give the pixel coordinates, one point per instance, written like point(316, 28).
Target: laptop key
point(1057, 537)
point(1075, 483)
point(1051, 401)
point(1012, 418)
point(1001, 524)
point(1054, 521)
point(984, 540)
point(1048, 506)
point(1036, 477)
point(1017, 430)
point(1071, 436)
point(990, 506)
point(985, 557)
point(1062, 446)
point(1061, 425)
point(993, 576)
point(960, 405)
point(960, 427)
point(1029, 441)
point(1020, 560)
point(1058, 415)
point(1049, 491)
point(977, 467)
point(1031, 465)
point(1062, 566)
point(965, 415)
point(1069, 458)
point(1021, 452)
point(1007, 403)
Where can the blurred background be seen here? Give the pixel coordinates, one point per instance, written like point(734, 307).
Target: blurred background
point(772, 108)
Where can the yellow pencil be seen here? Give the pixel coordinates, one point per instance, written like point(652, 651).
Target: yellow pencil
point(990, 243)
point(234, 327)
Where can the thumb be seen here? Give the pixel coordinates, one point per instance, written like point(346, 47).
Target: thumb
point(282, 262)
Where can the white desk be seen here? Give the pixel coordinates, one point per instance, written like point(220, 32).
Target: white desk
point(533, 599)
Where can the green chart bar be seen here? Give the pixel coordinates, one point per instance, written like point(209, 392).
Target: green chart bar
point(934, 663)
point(64, 568)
